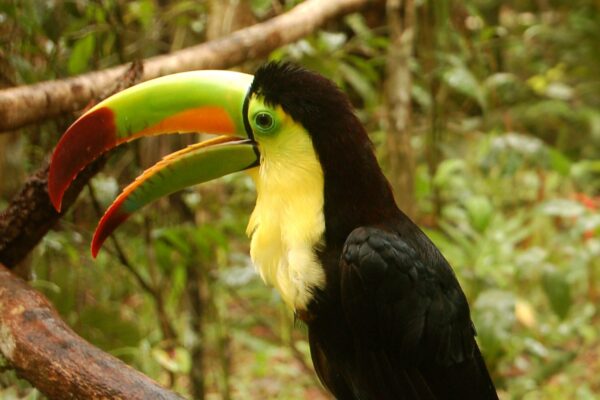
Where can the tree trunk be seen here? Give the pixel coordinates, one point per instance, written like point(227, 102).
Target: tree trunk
point(196, 299)
point(401, 23)
point(434, 39)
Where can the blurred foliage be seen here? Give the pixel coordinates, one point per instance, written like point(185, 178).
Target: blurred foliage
point(512, 200)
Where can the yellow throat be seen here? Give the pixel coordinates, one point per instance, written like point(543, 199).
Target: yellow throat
point(287, 223)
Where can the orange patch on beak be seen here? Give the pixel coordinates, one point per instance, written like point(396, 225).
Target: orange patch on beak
point(212, 120)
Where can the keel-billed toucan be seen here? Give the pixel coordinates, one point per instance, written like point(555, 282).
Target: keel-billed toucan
point(386, 316)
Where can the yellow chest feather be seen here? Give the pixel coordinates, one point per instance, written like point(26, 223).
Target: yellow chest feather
point(287, 222)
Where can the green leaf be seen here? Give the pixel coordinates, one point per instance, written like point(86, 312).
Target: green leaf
point(358, 24)
point(142, 10)
point(559, 162)
point(559, 91)
point(499, 79)
point(102, 326)
point(563, 208)
point(463, 81)
point(584, 167)
point(558, 292)
point(177, 361)
point(261, 7)
point(421, 96)
point(332, 41)
point(480, 211)
point(359, 83)
point(447, 170)
point(494, 317)
point(81, 54)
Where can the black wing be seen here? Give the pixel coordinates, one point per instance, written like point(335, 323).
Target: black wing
point(409, 320)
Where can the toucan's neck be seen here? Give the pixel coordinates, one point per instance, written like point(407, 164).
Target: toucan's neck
point(356, 192)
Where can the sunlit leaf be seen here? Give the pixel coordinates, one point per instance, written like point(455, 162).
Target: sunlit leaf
point(332, 41)
point(525, 313)
point(106, 188)
point(142, 10)
point(358, 83)
point(559, 91)
point(463, 81)
point(357, 23)
point(81, 55)
point(559, 162)
point(421, 96)
point(563, 208)
point(446, 170)
point(238, 276)
point(177, 360)
point(480, 211)
point(261, 7)
point(494, 318)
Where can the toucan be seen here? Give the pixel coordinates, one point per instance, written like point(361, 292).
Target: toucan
point(386, 316)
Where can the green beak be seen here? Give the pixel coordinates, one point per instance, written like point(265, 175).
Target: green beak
point(199, 101)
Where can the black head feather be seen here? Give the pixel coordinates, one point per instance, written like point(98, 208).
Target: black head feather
point(306, 96)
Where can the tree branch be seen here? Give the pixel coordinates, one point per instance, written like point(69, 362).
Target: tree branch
point(46, 352)
point(27, 104)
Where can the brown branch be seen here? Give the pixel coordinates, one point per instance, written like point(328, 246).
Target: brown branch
point(27, 104)
point(45, 351)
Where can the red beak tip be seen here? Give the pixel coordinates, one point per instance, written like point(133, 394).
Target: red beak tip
point(56, 203)
point(54, 192)
point(85, 140)
point(95, 248)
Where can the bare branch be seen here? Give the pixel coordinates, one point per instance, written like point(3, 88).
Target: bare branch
point(27, 104)
point(46, 352)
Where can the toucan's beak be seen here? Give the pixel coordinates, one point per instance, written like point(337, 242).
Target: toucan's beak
point(199, 101)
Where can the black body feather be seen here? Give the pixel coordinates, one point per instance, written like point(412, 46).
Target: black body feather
point(392, 321)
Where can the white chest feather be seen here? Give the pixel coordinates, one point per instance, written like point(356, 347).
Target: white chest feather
point(288, 223)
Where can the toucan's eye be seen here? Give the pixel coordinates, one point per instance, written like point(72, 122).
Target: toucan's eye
point(264, 121)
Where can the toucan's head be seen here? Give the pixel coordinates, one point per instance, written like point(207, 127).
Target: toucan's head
point(293, 129)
